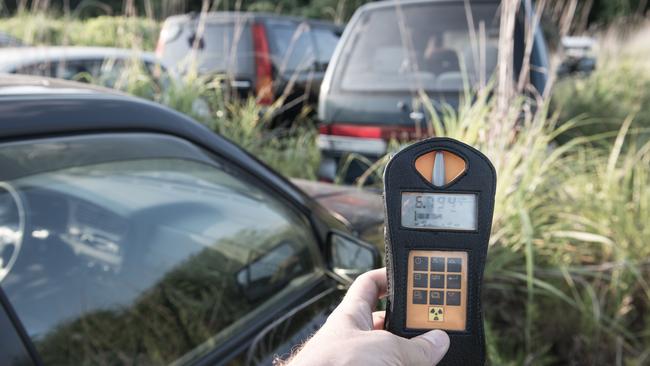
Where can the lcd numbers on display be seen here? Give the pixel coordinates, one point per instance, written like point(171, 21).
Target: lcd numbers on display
point(439, 211)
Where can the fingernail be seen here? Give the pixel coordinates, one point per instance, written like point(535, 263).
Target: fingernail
point(438, 338)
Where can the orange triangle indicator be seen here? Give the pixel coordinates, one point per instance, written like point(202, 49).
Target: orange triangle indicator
point(440, 167)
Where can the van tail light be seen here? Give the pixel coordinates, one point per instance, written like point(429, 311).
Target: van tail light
point(363, 139)
point(263, 67)
point(400, 133)
point(160, 48)
point(168, 33)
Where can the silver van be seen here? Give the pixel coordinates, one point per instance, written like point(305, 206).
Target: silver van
point(267, 56)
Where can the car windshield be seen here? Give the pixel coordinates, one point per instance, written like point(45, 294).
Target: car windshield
point(433, 47)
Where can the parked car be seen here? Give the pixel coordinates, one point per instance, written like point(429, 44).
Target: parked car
point(257, 54)
point(392, 50)
point(98, 64)
point(7, 40)
point(130, 234)
point(578, 55)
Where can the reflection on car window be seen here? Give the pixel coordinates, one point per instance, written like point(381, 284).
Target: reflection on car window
point(80, 70)
point(143, 261)
point(431, 46)
point(47, 69)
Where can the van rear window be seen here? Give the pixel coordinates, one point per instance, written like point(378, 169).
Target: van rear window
point(225, 44)
point(293, 49)
point(432, 46)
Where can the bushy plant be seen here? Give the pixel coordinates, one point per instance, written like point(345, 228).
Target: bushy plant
point(123, 32)
point(618, 88)
point(44, 29)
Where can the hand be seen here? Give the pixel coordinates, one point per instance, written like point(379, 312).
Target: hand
point(353, 334)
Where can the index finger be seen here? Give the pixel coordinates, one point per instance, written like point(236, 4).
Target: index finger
point(368, 287)
point(362, 297)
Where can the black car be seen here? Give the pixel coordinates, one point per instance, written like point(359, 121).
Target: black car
point(267, 56)
point(392, 51)
point(130, 234)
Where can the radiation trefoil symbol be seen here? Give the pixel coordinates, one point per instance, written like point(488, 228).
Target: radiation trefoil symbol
point(436, 314)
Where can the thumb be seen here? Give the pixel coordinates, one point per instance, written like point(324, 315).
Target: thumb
point(425, 350)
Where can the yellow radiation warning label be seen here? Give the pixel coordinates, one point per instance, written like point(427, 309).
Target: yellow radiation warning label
point(436, 314)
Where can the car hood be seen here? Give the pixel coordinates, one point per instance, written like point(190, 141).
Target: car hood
point(362, 210)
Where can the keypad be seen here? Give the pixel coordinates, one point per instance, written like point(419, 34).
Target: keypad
point(434, 277)
point(454, 264)
point(453, 298)
point(453, 281)
point(421, 264)
point(436, 297)
point(420, 280)
point(437, 281)
point(419, 296)
point(437, 264)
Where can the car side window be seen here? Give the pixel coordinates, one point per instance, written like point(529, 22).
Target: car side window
point(144, 257)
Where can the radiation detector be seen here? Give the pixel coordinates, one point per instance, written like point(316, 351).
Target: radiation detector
point(439, 201)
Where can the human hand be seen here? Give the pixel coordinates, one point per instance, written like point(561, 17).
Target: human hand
point(353, 334)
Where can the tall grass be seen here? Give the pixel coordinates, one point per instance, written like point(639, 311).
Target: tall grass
point(620, 87)
point(291, 151)
point(107, 31)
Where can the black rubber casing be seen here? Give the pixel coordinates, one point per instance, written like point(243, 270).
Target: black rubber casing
point(467, 347)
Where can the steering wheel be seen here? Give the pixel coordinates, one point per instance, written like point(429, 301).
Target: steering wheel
point(12, 227)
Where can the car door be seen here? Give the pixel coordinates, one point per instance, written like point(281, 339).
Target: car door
point(142, 248)
point(16, 349)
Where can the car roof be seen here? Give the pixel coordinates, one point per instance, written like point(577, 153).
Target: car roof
point(59, 108)
point(393, 3)
point(13, 57)
point(26, 85)
point(247, 15)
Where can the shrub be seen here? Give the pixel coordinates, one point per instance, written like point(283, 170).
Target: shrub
point(618, 88)
point(43, 29)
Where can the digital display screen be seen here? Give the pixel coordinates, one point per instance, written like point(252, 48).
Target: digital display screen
point(439, 211)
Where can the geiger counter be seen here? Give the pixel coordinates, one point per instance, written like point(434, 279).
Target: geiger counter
point(439, 197)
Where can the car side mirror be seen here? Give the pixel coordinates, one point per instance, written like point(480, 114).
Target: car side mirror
point(349, 257)
point(271, 271)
